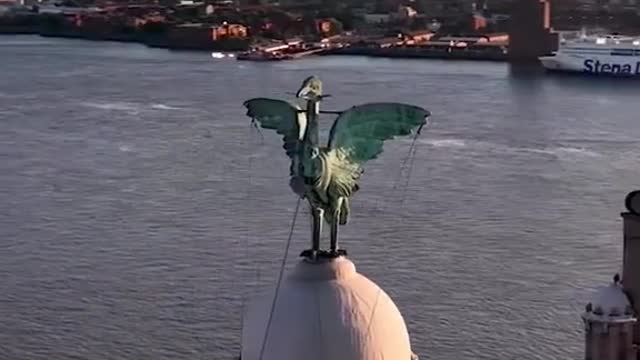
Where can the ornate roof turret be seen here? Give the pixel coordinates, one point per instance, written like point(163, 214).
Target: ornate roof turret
point(609, 304)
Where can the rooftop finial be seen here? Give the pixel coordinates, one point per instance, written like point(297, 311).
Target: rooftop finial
point(632, 202)
point(327, 176)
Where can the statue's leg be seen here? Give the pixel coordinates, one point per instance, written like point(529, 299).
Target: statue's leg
point(334, 233)
point(335, 223)
point(316, 213)
point(316, 231)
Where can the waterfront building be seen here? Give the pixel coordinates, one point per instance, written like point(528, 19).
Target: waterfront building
point(225, 36)
point(445, 8)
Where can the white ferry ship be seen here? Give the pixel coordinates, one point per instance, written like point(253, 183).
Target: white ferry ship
point(597, 55)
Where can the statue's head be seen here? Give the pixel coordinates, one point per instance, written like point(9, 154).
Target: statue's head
point(311, 89)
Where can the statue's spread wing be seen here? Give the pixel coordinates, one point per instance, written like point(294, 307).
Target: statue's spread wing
point(359, 133)
point(287, 119)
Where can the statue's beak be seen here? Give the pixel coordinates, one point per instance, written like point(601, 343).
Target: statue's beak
point(303, 92)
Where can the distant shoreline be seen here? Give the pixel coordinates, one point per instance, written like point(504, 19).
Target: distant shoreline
point(150, 40)
point(417, 53)
point(157, 42)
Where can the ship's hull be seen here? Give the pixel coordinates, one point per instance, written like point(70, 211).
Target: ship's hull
point(623, 66)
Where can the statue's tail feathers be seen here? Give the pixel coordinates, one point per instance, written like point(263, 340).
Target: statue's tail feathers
point(342, 213)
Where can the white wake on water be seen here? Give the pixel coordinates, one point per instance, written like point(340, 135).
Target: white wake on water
point(486, 146)
point(560, 151)
point(129, 106)
point(113, 106)
point(124, 148)
point(164, 107)
point(445, 143)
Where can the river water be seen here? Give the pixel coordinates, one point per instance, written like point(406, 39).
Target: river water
point(139, 209)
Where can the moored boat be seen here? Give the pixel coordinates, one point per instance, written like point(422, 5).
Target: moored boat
point(263, 56)
point(597, 55)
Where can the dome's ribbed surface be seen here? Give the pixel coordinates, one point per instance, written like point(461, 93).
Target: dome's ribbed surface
point(326, 311)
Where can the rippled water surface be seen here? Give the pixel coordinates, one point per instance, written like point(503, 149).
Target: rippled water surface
point(138, 208)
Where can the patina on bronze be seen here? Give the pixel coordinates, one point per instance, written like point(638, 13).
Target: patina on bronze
point(327, 176)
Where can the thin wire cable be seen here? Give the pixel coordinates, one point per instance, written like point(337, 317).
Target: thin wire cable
point(412, 156)
point(253, 129)
point(373, 313)
point(408, 159)
point(321, 334)
point(248, 236)
point(280, 275)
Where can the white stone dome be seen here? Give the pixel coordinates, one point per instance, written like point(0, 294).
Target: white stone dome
point(326, 311)
point(609, 303)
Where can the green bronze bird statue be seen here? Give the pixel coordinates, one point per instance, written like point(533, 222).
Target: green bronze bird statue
point(327, 176)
